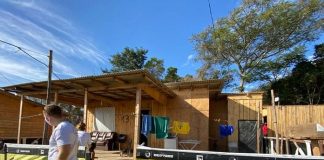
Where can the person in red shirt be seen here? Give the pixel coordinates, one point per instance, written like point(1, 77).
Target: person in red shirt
point(265, 129)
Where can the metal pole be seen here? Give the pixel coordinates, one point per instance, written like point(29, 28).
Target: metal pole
point(48, 97)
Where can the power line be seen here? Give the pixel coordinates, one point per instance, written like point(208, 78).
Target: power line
point(23, 50)
point(211, 14)
point(33, 57)
point(6, 78)
point(39, 53)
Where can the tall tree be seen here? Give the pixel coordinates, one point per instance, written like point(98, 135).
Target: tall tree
point(128, 59)
point(132, 59)
point(257, 32)
point(156, 67)
point(171, 75)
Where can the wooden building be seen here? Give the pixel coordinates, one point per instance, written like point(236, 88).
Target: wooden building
point(32, 124)
point(124, 96)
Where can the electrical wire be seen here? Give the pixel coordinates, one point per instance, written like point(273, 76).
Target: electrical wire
point(39, 53)
point(6, 78)
point(23, 50)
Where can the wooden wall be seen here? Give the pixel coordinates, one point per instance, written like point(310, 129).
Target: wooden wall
point(192, 105)
point(218, 114)
point(9, 115)
point(293, 115)
point(242, 107)
point(124, 119)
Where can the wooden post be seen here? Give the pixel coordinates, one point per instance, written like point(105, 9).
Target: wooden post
point(19, 120)
point(287, 145)
point(258, 130)
point(55, 97)
point(275, 121)
point(48, 97)
point(281, 143)
point(137, 118)
point(85, 108)
point(55, 102)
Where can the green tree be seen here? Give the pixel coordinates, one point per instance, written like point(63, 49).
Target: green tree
point(280, 66)
point(132, 59)
point(257, 32)
point(171, 75)
point(305, 85)
point(156, 67)
point(128, 59)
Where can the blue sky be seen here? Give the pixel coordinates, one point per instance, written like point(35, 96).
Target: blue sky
point(84, 34)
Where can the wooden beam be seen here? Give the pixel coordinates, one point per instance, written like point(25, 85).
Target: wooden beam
point(122, 95)
point(102, 98)
point(80, 85)
point(65, 99)
point(58, 86)
point(154, 93)
point(112, 96)
point(129, 92)
point(90, 89)
point(85, 109)
point(137, 118)
point(100, 82)
point(119, 80)
point(19, 118)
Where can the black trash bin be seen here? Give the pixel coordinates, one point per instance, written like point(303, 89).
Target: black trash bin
point(111, 144)
point(122, 138)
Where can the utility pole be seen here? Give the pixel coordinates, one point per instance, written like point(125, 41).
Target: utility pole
point(275, 121)
point(48, 97)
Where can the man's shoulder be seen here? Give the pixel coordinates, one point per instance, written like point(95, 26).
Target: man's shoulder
point(66, 126)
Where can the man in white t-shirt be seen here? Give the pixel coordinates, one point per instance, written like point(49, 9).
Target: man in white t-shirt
point(63, 144)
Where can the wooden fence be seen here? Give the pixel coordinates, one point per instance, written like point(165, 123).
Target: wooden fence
point(292, 115)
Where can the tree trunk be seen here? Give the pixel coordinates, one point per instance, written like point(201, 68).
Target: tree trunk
point(241, 87)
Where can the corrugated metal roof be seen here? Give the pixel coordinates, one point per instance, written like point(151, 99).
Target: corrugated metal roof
point(133, 76)
point(211, 84)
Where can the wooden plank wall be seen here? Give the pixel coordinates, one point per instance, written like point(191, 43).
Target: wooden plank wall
point(192, 105)
point(293, 115)
point(9, 112)
point(218, 114)
point(124, 118)
point(242, 107)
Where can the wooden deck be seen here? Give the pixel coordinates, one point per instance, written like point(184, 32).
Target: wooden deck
point(102, 154)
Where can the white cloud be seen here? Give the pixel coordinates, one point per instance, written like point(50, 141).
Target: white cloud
point(189, 60)
point(34, 27)
point(190, 57)
point(23, 70)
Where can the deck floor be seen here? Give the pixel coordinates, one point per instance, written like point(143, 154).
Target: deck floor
point(102, 154)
